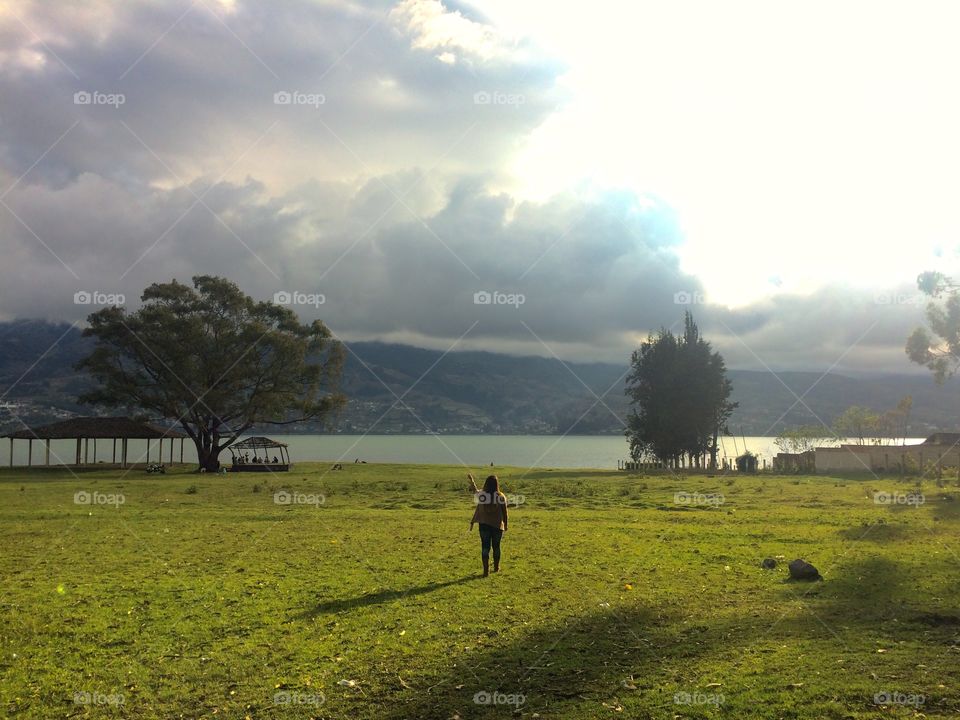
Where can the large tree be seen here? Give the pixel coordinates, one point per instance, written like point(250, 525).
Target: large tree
point(213, 360)
point(680, 396)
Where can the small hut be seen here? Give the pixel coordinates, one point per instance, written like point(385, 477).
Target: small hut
point(259, 454)
point(86, 431)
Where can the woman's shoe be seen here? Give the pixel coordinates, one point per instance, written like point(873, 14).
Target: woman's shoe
point(486, 567)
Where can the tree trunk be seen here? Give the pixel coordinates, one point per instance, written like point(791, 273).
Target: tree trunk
point(208, 454)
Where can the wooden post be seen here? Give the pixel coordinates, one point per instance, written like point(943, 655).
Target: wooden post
point(11, 452)
point(76, 458)
point(29, 451)
point(181, 451)
point(171, 451)
point(94, 451)
point(86, 450)
point(113, 458)
point(123, 453)
point(48, 452)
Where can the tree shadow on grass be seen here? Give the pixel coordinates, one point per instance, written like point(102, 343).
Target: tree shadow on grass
point(384, 596)
point(584, 658)
point(878, 596)
point(944, 506)
point(878, 532)
point(578, 475)
point(586, 663)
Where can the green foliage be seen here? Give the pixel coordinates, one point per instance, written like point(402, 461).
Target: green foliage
point(214, 360)
point(803, 438)
point(938, 348)
point(680, 396)
point(856, 423)
point(859, 423)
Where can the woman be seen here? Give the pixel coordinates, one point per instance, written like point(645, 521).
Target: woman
point(491, 515)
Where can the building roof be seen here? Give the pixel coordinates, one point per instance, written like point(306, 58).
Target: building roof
point(257, 442)
point(96, 427)
point(943, 438)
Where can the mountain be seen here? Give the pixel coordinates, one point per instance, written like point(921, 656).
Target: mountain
point(402, 389)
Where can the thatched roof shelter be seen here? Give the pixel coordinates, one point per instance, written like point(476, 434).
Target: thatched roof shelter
point(85, 429)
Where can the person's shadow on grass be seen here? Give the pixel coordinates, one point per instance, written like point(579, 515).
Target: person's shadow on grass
point(384, 596)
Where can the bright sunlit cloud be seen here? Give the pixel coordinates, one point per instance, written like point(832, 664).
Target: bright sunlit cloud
point(806, 144)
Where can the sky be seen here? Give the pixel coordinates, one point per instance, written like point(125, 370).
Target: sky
point(555, 179)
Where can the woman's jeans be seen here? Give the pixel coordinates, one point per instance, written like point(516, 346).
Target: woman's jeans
point(490, 535)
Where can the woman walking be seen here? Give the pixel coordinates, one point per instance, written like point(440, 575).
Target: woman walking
point(491, 515)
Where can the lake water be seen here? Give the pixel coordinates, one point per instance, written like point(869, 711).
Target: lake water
point(573, 451)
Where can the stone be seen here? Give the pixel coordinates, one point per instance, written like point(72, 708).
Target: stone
point(802, 570)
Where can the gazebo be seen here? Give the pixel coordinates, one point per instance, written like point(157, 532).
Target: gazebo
point(87, 429)
point(260, 449)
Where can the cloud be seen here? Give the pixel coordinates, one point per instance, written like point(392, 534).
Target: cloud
point(200, 82)
point(835, 328)
point(433, 27)
point(378, 184)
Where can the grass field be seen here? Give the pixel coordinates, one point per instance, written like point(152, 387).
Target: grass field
point(200, 596)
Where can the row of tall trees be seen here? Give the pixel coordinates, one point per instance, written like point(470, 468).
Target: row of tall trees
point(680, 398)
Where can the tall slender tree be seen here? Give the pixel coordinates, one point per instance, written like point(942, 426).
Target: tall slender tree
point(680, 396)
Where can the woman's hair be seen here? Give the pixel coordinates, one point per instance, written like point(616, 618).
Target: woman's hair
point(492, 485)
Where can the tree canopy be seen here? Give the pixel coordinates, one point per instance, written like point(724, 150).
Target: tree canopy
point(803, 438)
point(213, 360)
point(862, 424)
point(679, 395)
point(938, 348)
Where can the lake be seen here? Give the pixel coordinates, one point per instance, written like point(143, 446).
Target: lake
point(571, 451)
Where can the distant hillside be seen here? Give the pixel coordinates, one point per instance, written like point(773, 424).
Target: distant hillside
point(479, 392)
point(36, 364)
point(764, 399)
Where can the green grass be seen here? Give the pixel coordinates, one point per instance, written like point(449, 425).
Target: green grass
point(199, 596)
